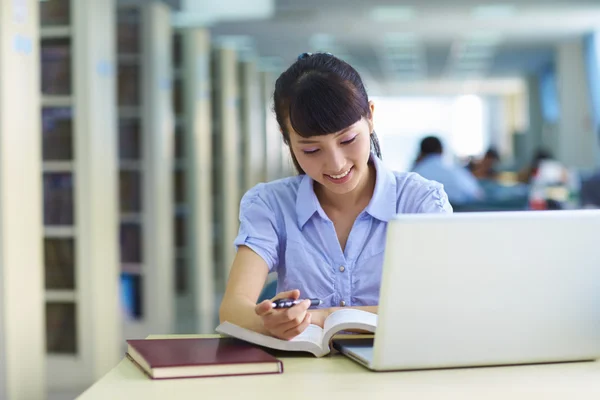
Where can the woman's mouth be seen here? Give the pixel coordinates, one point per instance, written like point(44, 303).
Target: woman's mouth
point(341, 178)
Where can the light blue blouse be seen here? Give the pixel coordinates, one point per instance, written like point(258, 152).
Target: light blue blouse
point(283, 222)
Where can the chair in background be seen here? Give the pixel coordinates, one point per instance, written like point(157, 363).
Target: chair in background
point(498, 197)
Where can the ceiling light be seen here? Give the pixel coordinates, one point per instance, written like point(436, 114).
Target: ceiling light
point(494, 11)
point(406, 64)
point(401, 56)
point(476, 54)
point(400, 42)
point(483, 39)
point(387, 14)
point(471, 66)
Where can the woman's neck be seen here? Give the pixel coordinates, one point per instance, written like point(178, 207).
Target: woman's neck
point(357, 198)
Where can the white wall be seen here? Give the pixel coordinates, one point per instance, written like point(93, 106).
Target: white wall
point(576, 143)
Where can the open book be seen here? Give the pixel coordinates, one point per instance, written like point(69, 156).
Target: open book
point(314, 339)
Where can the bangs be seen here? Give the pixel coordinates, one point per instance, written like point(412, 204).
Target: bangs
point(323, 104)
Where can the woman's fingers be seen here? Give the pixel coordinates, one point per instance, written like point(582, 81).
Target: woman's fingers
point(263, 308)
point(298, 329)
point(284, 323)
point(290, 294)
point(288, 317)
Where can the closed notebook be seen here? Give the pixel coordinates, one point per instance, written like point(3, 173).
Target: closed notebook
point(190, 358)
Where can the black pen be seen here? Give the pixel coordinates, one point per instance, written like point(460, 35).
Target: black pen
point(287, 303)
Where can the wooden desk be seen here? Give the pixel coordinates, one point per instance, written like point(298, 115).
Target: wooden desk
point(332, 377)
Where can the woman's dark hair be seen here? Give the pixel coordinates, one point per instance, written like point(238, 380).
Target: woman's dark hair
point(320, 94)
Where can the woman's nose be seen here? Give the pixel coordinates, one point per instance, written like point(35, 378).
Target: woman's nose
point(336, 161)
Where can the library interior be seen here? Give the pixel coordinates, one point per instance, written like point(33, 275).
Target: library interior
point(131, 130)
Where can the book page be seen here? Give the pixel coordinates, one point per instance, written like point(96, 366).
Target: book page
point(310, 340)
point(312, 333)
point(348, 319)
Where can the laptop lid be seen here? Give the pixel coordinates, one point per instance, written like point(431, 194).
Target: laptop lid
point(497, 288)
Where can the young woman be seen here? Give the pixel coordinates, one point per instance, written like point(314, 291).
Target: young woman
point(323, 231)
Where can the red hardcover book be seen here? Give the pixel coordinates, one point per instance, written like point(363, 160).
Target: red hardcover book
point(194, 358)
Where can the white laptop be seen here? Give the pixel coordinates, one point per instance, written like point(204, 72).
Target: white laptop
point(482, 289)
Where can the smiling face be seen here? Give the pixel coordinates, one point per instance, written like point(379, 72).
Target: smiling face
point(338, 161)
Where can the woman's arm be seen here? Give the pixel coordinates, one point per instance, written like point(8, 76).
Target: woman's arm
point(319, 316)
point(246, 280)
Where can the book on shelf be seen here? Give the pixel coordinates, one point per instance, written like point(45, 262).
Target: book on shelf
point(128, 30)
point(55, 13)
point(200, 357)
point(314, 339)
point(57, 134)
point(130, 239)
point(129, 139)
point(128, 85)
point(56, 73)
point(58, 198)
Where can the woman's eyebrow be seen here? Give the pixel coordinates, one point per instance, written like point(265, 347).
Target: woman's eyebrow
point(309, 141)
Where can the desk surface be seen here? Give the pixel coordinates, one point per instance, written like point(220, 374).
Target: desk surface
point(335, 376)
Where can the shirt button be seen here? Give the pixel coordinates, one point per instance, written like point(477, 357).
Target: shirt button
point(342, 268)
point(342, 303)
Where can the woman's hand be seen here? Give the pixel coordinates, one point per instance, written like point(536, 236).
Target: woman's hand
point(319, 316)
point(284, 323)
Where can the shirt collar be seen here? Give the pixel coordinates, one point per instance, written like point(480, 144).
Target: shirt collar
point(306, 201)
point(382, 205)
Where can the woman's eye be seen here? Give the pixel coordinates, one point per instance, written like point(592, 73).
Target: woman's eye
point(310, 151)
point(349, 140)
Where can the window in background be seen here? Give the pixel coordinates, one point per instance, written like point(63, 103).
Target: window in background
point(401, 123)
point(467, 136)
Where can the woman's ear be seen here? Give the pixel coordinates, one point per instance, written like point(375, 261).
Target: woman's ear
point(372, 110)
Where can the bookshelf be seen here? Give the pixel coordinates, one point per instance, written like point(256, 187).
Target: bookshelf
point(273, 141)
point(22, 341)
point(252, 133)
point(226, 155)
point(192, 174)
point(79, 167)
point(183, 291)
point(146, 159)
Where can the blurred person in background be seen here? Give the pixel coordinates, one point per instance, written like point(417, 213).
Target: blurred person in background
point(324, 230)
point(460, 185)
point(486, 167)
point(527, 173)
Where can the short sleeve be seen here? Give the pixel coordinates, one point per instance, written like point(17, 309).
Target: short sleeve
point(436, 201)
point(258, 227)
point(420, 195)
